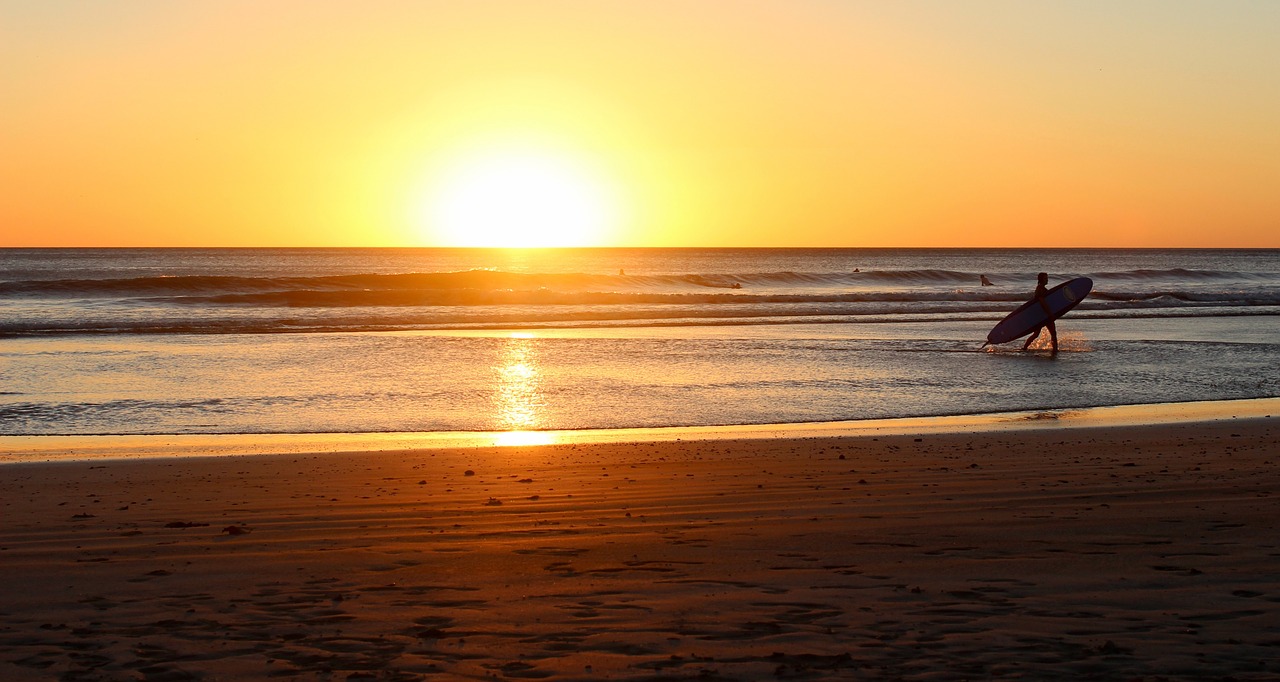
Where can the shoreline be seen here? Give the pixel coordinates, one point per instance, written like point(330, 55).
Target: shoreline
point(20, 449)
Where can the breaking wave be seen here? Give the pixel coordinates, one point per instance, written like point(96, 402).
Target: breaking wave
point(474, 298)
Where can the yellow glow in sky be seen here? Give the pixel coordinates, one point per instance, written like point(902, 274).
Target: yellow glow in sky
point(658, 123)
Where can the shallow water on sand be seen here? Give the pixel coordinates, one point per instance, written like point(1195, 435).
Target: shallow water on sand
point(616, 378)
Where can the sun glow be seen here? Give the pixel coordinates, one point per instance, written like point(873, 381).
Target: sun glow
point(527, 198)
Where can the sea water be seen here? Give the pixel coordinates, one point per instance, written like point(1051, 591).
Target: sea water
point(161, 341)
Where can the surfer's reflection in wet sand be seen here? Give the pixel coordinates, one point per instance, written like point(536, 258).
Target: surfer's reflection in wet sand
point(1042, 290)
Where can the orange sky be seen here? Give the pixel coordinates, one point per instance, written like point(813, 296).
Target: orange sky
point(713, 123)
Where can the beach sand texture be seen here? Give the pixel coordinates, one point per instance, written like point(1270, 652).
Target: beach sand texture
point(1099, 553)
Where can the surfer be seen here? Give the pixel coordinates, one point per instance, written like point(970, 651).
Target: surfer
point(1042, 290)
point(985, 282)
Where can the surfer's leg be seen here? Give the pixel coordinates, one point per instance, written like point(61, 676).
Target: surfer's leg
point(1053, 335)
point(1032, 339)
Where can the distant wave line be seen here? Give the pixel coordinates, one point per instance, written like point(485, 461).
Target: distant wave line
point(495, 280)
point(546, 297)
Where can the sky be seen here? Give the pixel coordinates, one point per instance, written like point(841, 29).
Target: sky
point(648, 123)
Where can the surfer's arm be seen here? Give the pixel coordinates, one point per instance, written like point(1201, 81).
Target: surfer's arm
point(1040, 294)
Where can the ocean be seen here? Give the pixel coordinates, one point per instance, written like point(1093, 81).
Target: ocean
point(210, 341)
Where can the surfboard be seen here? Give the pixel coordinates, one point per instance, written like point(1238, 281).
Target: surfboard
point(1031, 314)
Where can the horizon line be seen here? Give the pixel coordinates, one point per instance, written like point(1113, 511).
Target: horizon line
point(633, 247)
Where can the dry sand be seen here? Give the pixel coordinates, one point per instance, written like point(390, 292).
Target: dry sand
point(1109, 553)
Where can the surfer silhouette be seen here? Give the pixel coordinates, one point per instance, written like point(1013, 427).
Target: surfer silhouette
point(985, 282)
point(1042, 290)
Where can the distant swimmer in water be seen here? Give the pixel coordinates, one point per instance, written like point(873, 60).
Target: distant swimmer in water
point(985, 282)
point(736, 285)
point(1042, 290)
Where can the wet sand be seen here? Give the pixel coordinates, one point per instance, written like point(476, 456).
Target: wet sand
point(1120, 552)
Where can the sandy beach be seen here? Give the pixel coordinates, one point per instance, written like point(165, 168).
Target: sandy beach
point(1118, 552)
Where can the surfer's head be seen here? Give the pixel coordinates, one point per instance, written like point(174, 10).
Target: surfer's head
point(1043, 278)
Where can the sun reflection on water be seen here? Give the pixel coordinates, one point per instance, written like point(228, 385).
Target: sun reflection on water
point(517, 394)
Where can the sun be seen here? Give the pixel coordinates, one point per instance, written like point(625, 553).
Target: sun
point(520, 198)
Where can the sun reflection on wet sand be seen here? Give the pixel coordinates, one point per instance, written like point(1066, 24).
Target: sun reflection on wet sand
point(70, 448)
point(517, 396)
point(518, 438)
